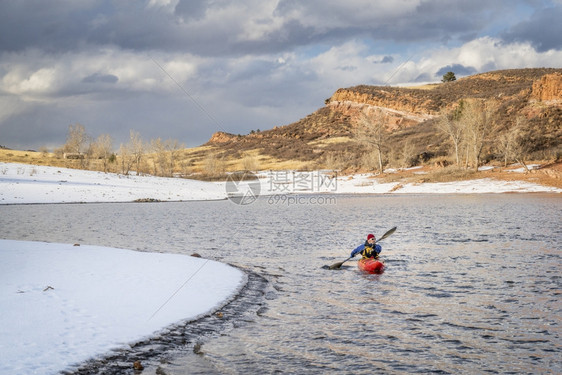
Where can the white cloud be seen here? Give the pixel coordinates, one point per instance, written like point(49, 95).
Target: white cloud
point(39, 76)
point(489, 53)
point(348, 64)
point(170, 4)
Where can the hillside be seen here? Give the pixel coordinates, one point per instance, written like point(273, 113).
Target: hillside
point(410, 116)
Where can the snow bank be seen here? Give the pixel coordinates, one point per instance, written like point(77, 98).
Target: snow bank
point(63, 304)
point(23, 183)
point(317, 182)
point(485, 185)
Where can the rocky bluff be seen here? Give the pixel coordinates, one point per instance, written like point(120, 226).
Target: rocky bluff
point(410, 115)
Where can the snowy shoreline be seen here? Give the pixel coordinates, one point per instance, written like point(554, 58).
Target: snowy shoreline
point(24, 183)
point(28, 184)
point(62, 304)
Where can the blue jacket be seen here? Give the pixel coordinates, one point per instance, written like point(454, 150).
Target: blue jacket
point(361, 249)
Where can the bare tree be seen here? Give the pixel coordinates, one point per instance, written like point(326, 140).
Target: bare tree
point(166, 155)
point(522, 144)
point(76, 140)
point(160, 159)
point(103, 149)
point(250, 163)
point(338, 160)
point(137, 149)
point(450, 124)
point(78, 144)
point(369, 160)
point(408, 154)
point(477, 119)
point(514, 143)
point(173, 147)
point(371, 132)
point(126, 157)
point(506, 145)
point(214, 165)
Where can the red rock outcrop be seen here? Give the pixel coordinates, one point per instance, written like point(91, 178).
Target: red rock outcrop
point(400, 100)
point(548, 88)
point(222, 137)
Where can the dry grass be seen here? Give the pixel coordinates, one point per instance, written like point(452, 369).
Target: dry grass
point(251, 159)
point(449, 174)
point(43, 158)
point(326, 142)
point(549, 174)
point(191, 162)
point(29, 157)
point(429, 86)
point(428, 174)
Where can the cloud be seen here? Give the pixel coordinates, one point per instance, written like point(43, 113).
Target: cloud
point(223, 28)
point(408, 20)
point(387, 59)
point(458, 69)
point(161, 67)
point(191, 9)
point(102, 78)
point(543, 29)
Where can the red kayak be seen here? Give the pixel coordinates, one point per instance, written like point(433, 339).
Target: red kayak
point(370, 265)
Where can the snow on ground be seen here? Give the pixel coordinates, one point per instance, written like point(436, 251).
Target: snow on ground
point(364, 184)
point(302, 182)
point(485, 185)
point(23, 183)
point(62, 304)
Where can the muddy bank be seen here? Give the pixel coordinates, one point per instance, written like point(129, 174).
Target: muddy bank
point(183, 340)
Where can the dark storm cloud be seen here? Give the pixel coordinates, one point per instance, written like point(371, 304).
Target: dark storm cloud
point(435, 19)
point(191, 9)
point(58, 26)
point(458, 69)
point(543, 30)
point(38, 126)
point(101, 78)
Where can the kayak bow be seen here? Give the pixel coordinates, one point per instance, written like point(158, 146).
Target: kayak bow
point(370, 265)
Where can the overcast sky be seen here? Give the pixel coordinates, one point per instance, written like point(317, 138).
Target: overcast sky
point(183, 69)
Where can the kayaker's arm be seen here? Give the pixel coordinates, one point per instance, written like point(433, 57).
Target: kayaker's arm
point(358, 249)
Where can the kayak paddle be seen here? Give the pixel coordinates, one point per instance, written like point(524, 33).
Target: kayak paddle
point(339, 264)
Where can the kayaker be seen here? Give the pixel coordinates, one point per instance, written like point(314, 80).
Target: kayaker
point(370, 249)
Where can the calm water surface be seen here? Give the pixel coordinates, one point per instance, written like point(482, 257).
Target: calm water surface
point(473, 282)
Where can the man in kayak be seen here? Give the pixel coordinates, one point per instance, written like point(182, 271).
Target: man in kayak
point(370, 249)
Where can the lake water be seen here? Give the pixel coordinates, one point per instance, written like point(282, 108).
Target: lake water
point(472, 285)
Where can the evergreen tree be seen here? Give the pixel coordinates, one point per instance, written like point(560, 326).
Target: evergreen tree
point(449, 77)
